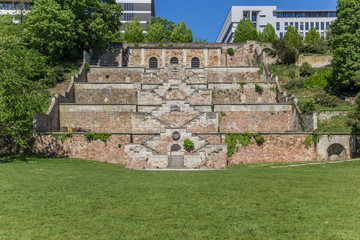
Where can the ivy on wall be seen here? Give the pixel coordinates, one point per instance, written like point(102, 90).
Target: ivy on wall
point(61, 136)
point(104, 137)
point(232, 139)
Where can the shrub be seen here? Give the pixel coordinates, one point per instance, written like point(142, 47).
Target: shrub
point(325, 99)
point(258, 89)
point(87, 67)
point(104, 137)
point(306, 70)
point(107, 76)
point(295, 84)
point(318, 80)
point(261, 71)
point(188, 145)
point(259, 138)
point(230, 51)
point(307, 107)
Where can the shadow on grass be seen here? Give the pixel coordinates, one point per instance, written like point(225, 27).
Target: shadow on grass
point(12, 157)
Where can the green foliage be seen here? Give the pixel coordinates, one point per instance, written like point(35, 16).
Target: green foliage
point(51, 30)
point(87, 67)
point(268, 34)
point(313, 138)
point(258, 138)
point(258, 89)
point(293, 41)
point(284, 54)
point(156, 32)
point(200, 40)
point(133, 31)
point(242, 84)
point(168, 26)
point(320, 79)
point(119, 145)
point(344, 43)
point(314, 43)
point(212, 108)
point(62, 136)
point(232, 139)
point(307, 107)
point(354, 117)
point(245, 31)
point(295, 84)
point(188, 145)
point(306, 70)
point(230, 51)
point(181, 34)
point(104, 137)
point(261, 71)
point(325, 99)
point(335, 124)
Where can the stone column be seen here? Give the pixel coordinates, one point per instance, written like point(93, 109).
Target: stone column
point(142, 57)
point(184, 57)
point(163, 57)
point(206, 56)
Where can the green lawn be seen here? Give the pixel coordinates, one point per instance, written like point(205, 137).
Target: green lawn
point(46, 198)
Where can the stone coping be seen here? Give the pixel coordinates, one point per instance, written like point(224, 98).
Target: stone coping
point(95, 83)
point(209, 133)
point(234, 83)
point(158, 105)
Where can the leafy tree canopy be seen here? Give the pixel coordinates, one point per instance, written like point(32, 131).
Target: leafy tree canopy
point(51, 30)
point(345, 45)
point(245, 31)
point(268, 34)
point(293, 41)
point(200, 40)
point(133, 31)
point(313, 36)
point(168, 25)
point(181, 34)
point(156, 33)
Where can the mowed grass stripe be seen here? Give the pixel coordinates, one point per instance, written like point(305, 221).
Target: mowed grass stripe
point(50, 198)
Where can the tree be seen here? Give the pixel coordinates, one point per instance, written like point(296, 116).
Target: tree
point(133, 31)
point(51, 30)
point(200, 40)
point(268, 34)
point(313, 43)
point(245, 31)
point(156, 33)
point(22, 90)
point(285, 55)
point(181, 34)
point(345, 45)
point(168, 25)
point(293, 41)
point(97, 21)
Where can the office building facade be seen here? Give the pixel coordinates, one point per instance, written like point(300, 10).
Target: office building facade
point(14, 7)
point(303, 20)
point(144, 9)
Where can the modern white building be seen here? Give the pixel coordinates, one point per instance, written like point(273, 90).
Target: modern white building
point(14, 7)
point(145, 9)
point(302, 20)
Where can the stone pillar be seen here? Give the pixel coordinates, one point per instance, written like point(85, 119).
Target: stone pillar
point(219, 59)
point(184, 57)
point(142, 57)
point(206, 57)
point(163, 57)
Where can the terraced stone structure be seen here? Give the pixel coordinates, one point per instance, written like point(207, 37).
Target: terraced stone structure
point(152, 98)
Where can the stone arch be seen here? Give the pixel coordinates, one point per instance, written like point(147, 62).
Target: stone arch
point(195, 62)
point(174, 60)
point(153, 62)
point(336, 151)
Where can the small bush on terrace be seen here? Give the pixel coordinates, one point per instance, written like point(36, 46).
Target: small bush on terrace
point(307, 107)
point(325, 99)
point(306, 70)
point(318, 80)
point(188, 145)
point(295, 84)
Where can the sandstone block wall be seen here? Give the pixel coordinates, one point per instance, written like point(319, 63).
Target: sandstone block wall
point(316, 61)
point(114, 75)
point(106, 93)
point(277, 148)
point(97, 118)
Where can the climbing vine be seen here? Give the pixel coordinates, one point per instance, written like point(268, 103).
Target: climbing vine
point(104, 137)
point(232, 139)
point(242, 84)
point(61, 136)
point(312, 138)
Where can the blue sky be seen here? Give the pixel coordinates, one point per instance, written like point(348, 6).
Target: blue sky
point(205, 17)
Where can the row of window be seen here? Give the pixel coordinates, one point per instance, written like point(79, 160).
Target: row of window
point(128, 7)
point(128, 16)
point(14, 6)
point(153, 62)
point(305, 26)
point(304, 14)
point(302, 34)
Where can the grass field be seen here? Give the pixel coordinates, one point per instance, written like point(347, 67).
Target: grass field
point(45, 198)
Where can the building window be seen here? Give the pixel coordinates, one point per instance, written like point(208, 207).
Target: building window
point(254, 16)
point(306, 26)
point(262, 26)
point(297, 25)
point(174, 60)
point(262, 16)
point(327, 25)
point(281, 35)
point(278, 26)
point(128, 16)
point(254, 25)
point(332, 14)
point(322, 26)
point(286, 26)
point(128, 7)
point(302, 26)
point(153, 62)
point(195, 62)
point(292, 24)
point(246, 14)
point(312, 24)
point(323, 35)
point(317, 26)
